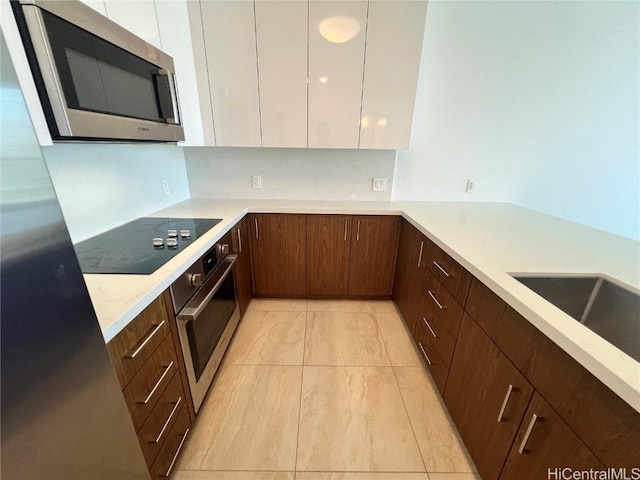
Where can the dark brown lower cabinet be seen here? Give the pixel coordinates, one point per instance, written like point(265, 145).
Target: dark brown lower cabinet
point(608, 425)
point(328, 252)
point(487, 398)
point(150, 368)
point(278, 248)
point(241, 242)
point(546, 444)
point(410, 268)
point(374, 244)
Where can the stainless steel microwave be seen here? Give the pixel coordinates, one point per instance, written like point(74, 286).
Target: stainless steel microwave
point(96, 80)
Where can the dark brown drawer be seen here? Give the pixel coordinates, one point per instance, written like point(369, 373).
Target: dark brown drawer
point(435, 364)
point(440, 337)
point(131, 348)
point(147, 386)
point(441, 304)
point(156, 429)
point(166, 460)
point(449, 272)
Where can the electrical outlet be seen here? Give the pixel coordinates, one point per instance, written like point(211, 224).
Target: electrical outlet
point(256, 181)
point(471, 186)
point(379, 184)
point(165, 187)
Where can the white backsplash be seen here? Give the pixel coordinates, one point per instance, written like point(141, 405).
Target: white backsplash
point(288, 174)
point(101, 186)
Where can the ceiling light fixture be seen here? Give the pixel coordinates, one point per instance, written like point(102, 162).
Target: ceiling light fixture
point(339, 29)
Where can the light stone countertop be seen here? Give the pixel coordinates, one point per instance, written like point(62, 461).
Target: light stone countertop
point(491, 240)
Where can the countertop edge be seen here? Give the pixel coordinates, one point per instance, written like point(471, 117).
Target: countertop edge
point(622, 381)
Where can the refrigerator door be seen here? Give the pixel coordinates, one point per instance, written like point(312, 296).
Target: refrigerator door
point(63, 413)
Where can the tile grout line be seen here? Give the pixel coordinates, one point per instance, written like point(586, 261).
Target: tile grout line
point(404, 404)
point(304, 347)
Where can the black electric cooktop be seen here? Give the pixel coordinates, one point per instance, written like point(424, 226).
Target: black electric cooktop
point(141, 246)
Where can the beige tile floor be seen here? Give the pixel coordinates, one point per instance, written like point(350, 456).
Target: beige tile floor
point(323, 390)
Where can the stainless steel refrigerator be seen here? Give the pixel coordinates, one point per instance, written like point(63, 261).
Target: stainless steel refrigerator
point(63, 414)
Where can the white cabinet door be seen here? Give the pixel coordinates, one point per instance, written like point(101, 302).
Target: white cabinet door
point(337, 33)
point(230, 43)
point(174, 26)
point(137, 16)
point(281, 32)
point(97, 5)
point(392, 61)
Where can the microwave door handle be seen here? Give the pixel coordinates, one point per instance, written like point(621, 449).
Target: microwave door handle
point(192, 313)
point(167, 96)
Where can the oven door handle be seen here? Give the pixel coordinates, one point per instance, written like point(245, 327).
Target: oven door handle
point(190, 313)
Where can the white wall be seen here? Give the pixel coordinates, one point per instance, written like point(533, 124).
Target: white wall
point(307, 174)
point(100, 186)
point(537, 102)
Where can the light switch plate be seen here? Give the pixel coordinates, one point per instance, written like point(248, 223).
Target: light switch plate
point(379, 184)
point(165, 187)
point(256, 181)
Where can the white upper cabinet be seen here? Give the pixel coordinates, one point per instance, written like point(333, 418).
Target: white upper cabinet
point(281, 34)
point(230, 44)
point(97, 5)
point(196, 119)
point(337, 32)
point(392, 62)
point(137, 16)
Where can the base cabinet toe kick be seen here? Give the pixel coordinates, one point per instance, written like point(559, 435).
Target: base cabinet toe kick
point(524, 408)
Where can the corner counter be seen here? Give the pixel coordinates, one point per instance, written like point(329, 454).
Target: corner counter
point(491, 240)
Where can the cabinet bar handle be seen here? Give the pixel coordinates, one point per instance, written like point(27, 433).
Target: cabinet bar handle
point(166, 424)
point(358, 232)
point(255, 220)
point(433, 297)
point(175, 457)
point(504, 403)
point(135, 353)
point(420, 257)
point(527, 434)
point(158, 383)
point(239, 240)
point(425, 354)
point(440, 268)
point(429, 327)
point(345, 230)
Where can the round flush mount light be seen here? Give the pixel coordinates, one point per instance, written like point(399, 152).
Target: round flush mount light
point(339, 29)
point(323, 79)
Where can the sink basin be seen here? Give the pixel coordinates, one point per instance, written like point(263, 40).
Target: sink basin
point(607, 308)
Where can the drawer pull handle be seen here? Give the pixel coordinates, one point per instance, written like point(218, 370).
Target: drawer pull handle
point(420, 256)
point(433, 297)
point(345, 230)
point(239, 240)
point(158, 383)
point(426, 322)
point(358, 232)
point(527, 434)
point(135, 353)
point(425, 354)
point(175, 457)
point(255, 221)
point(440, 268)
point(166, 424)
point(505, 402)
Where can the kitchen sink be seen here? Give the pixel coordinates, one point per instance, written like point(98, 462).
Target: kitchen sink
point(607, 308)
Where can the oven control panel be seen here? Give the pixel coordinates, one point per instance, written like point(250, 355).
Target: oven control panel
point(209, 261)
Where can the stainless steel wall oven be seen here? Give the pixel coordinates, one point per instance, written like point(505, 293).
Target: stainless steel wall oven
point(206, 307)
